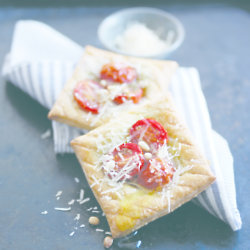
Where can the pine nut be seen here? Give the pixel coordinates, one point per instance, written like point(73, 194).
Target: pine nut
point(108, 241)
point(144, 146)
point(148, 156)
point(93, 220)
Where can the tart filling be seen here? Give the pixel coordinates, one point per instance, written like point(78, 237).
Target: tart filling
point(116, 84)
point(143, 160)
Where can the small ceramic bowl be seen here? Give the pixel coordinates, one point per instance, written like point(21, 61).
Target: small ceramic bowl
point(157, 20)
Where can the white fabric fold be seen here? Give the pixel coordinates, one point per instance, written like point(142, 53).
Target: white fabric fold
point(40, 62)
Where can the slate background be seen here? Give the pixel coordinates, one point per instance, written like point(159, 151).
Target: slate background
point(217, 43)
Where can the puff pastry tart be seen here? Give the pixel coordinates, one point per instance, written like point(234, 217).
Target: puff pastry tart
point(142, 166)
point(105, 84)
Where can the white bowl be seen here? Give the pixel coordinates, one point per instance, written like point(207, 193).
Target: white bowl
point(157, 20)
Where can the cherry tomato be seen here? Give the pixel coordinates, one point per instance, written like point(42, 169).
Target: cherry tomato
point(134, 96)
point(149, 131)
point(128, 159)
point(86, 96)
point(118, 73)
point(156, 174)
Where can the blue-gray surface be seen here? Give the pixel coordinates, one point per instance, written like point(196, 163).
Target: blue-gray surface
point(217, 43)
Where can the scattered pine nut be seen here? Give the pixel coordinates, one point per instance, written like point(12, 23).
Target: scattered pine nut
point(108, 241)
point(93, 220)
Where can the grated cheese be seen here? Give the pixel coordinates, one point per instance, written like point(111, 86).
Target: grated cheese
point(77, 217)
point(139, 40)
point(72, 233)
point(88, 116)
point(71, 202)
point(64, 209)
point(81, 195)
point(76, 180)
point(169, 200)
point(95, 211)
point(59, 193)
point(46, 134)
point(84, 201)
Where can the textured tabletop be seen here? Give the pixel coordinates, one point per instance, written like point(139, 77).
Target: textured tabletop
point(217, 43)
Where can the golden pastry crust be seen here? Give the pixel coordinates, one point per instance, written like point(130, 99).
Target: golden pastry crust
point(129, 208)
point(66, 109)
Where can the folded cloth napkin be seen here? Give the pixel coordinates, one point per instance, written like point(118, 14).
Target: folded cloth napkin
point(40, 62)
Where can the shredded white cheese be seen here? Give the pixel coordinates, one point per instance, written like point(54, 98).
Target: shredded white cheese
point(71, 202)
point(81, 195)
point(84, 201)
point(72, 233)
point(77, 217)
point(95, 211)
point(138, 39)
point(64, 209)
point(46, 134)
point(59, 193)
point(76, 180)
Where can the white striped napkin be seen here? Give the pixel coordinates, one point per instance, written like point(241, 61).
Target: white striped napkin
point(40, 67)
point(190, 101)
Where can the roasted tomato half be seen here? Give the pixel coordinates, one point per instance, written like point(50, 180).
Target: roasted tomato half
point(156, 174)
point(118, 73)
point(128, 159)
point(149, 131)
point(85, 94)
point(134, 96)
